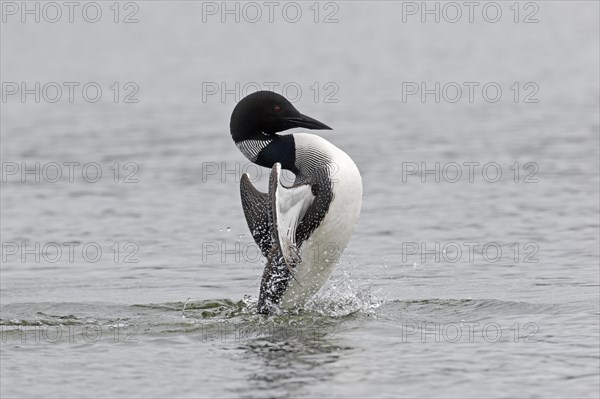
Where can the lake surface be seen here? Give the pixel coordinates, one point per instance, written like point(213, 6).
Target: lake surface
point(127, 266)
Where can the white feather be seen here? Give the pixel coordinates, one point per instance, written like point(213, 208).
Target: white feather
point(322, 250)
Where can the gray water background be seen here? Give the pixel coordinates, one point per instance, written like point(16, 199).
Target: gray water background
point(372, 332)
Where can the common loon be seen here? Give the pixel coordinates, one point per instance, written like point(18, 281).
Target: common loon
point(303, 229)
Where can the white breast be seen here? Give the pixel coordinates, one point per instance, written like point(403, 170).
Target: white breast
point(324, 247)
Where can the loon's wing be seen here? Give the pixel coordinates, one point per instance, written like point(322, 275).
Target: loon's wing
point(288, 207)
point(273, 217)
point(257, 209)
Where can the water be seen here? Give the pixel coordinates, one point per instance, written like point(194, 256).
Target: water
point(167, 307)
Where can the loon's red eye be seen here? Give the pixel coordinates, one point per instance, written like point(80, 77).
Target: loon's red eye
point(277, 108)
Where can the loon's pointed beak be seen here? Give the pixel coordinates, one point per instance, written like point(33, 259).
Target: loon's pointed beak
point(307, 122)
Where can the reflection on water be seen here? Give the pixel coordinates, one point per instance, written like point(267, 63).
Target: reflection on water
point(282, 363)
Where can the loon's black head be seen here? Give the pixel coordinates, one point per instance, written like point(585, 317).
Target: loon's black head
point(260, 115)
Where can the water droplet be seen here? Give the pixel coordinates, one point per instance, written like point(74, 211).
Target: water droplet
point(228, 228)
